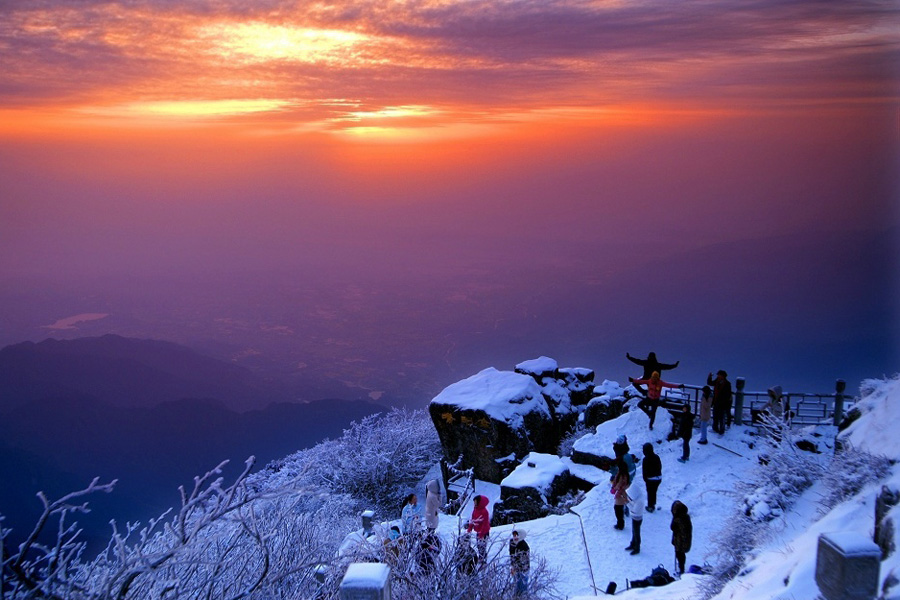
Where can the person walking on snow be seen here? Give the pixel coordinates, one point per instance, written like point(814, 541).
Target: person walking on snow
point(721, 403)
point(519, 560)
point(651, 469)
point(682, 533)
point(685, 429)
point(432, 504)
point(480, 523)
point(654, 392)
point(635, 493)
point(705, 413)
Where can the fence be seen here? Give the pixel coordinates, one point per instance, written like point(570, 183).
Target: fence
point(803, 408)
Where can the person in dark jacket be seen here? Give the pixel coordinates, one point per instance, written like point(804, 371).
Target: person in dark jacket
point(519, 560)
point(651, 469)
point(685, 429)
point(682, 533)
point(721, 400)
point(650, 364)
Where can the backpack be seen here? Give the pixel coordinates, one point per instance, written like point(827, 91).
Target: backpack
point(659, 576)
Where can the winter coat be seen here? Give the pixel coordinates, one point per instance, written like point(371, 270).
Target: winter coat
point(636, 499)
point(411, 517)
point(650, 364)
point(432, 503)
point(654, 390)
point(685, 425)
point(619, 486)
point(721, 392)
point(519, 554)
point(480, 522)
point(706, 408)
point(652, 467)
point(682, 529)
point(632, 467)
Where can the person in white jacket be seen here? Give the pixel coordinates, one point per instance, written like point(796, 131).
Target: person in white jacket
point(636, 497)
point(432, 504)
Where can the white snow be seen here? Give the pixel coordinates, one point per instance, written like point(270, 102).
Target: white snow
point(610, 389)
point(538, 366)
point(504, 395)
point(536, 471)
point(852, 543)
point(588, 552)
point(366, 576)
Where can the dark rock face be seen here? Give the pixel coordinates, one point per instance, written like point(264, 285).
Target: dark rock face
point(600, 410)
point(492, 441)
point(884, 525)
point(527, 503)
point(488, 445)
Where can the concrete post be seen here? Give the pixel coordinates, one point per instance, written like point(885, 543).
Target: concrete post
point(366, 581)
point(367, 517)
point(847, 566)
point(739, 401)
point(839, 386)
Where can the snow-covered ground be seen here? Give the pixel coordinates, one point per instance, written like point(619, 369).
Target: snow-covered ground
point(588, 558)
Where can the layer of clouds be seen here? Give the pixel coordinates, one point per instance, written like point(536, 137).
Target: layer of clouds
point(525, 53)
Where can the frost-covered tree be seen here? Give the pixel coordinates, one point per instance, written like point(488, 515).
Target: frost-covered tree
point(249, 539)
point(377, 460)
point(261, 536)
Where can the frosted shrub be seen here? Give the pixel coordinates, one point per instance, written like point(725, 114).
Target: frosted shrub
point(783, 474)
point(850, 471)
point(377, 460)
point(567, 444)
point(451, 576)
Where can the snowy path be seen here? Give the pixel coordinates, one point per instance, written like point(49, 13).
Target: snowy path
point(706, 484)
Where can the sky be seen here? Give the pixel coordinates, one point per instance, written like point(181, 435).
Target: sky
point(681, 152)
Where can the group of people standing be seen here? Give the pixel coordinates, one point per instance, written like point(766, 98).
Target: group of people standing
point(467, 560)
point(631, 492)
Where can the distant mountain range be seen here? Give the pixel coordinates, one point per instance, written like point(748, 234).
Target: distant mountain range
point(150, 414)
point(125, 372)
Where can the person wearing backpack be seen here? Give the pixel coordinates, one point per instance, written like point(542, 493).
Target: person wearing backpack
point(682, 533)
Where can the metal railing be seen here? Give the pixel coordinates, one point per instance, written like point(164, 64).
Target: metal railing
point(801, 408)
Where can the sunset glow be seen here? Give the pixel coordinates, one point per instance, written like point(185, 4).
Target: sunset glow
point(456, 181)
point(479, 62)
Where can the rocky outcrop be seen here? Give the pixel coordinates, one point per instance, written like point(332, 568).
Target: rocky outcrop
point(494, 418)
point(532, 489)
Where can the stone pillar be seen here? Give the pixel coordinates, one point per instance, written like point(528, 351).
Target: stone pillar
point(739, 401)
point(366, 581)
point(839, 386)
point(847, 566)
point(367, 517)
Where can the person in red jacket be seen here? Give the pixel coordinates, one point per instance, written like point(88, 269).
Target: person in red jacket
point(480, 523)
point(654, 391)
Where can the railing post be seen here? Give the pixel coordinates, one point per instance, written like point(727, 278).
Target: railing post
point(739, 401)
point(839, 386)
